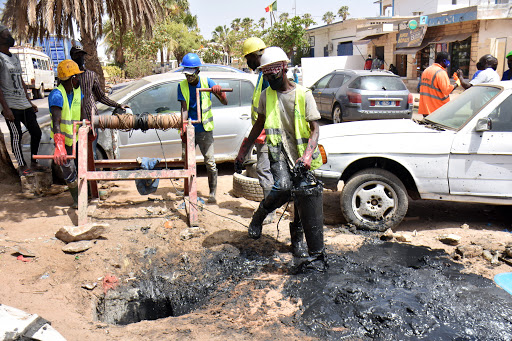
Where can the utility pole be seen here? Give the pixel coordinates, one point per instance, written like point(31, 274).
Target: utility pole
point(295, 7)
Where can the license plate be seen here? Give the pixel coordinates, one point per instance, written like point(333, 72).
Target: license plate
point(386, 103)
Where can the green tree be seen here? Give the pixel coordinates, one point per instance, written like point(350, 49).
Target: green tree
point(328, 17)
point(246, 24)
point(236, 24)
point(35, 19)
point(262, 22)
point(343, 12)
point(290, 35)
point(308, 20)
point(284, 16)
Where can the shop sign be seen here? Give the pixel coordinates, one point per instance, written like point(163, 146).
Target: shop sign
point(410, 38)
point(452, 18)
point(413, 24)
point(424, 20)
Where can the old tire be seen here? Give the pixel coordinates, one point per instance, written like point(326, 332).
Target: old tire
point(337, 114)
point(374, 199)
point(246, 187)
point(40, 92)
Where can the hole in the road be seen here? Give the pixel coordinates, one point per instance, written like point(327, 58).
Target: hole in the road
point(384, 291)
point(177, 286)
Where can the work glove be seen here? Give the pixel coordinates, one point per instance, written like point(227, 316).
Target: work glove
point(59, 155)
point(217, 90)
point(244, 149)
point(307, 157)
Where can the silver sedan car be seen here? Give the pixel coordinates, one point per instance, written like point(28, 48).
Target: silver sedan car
point(159, 94)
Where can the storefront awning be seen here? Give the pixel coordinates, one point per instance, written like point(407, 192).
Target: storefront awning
point(436, 40)
point(373, 36)
point(413, 50)
point(451, 38)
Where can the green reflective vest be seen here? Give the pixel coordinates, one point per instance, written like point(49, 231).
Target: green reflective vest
point(206, 103)
point(69, 115)
point(256, 98)
point(273, 126)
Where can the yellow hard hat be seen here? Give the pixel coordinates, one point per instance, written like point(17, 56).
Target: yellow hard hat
point(66, 69)
point(253, 44)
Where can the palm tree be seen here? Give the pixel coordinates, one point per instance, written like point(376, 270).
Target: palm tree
point(262, 22)
point(33, 19)
point(235, 24)
point(246, 23)
point(328, 18)
point(284, 16)
point(308, 20)
point(343, 12)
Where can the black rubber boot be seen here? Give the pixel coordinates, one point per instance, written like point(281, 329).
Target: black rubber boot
point(270, 217)
point(73, 190)
point(256, 225)
point(299, 247)
point(212, 184)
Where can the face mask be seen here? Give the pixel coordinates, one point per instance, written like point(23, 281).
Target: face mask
point(252, 64)
point(191, 78)
point(446, 62)
point(276, 81)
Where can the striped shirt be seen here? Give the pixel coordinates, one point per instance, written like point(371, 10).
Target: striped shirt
point(93, 92)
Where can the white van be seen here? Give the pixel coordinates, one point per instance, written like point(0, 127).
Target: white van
point(37, 70)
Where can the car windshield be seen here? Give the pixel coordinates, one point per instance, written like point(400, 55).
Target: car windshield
point(119, 94)
point(378, 83)
point(456, 113)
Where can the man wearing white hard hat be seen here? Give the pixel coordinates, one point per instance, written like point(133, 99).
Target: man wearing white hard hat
point(288, 113)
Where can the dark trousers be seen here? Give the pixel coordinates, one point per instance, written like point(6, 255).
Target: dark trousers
point(29, 119)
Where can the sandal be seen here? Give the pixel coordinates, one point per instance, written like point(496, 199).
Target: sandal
point(26, 171)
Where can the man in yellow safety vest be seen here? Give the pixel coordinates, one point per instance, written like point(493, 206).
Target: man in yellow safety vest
point(203, 131)
point(289, 114)
point(65, 103)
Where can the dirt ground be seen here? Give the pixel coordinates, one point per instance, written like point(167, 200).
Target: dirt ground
point(50, 285)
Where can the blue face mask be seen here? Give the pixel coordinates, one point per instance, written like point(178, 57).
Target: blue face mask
point(446, 62)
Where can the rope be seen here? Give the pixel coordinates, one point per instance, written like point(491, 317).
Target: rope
point(143, 122)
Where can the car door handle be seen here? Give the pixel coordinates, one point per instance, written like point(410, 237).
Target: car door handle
point(245, 117)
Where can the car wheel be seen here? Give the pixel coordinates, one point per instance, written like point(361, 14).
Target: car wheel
point(374, 199)
point(337, 115)
point(246, 187)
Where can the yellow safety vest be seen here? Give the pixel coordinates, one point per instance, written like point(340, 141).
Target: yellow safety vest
point(256, 98)
point(69, 115)
point(206, 103)
point(273, 126)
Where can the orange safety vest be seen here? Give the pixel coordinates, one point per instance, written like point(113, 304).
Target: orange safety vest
point(435, 89)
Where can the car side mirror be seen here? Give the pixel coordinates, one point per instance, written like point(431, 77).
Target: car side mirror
point(483, 124)
point(312, 87)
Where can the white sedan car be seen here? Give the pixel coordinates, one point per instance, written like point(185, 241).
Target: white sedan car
point(159, 94)
point(461, 152)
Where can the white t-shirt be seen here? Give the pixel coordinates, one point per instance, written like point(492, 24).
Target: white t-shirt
point(286, 102)
point(486, 76)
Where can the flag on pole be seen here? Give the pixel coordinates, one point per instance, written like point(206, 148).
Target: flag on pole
point(272, 7)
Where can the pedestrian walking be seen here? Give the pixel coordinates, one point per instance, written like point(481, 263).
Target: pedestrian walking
point(289, 114)
point(435, 87)
point(507, 75)
point(65, 103)
point(253, 50)
point(16, 105)
point(368, 63)
point(204, 130)
point(489, 64)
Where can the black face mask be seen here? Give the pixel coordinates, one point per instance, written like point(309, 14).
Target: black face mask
point(276, 81)
point(252, 64)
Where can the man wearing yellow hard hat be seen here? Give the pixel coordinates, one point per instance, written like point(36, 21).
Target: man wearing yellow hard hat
point(65, 103)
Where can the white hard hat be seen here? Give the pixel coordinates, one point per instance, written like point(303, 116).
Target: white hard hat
point(272, 55)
